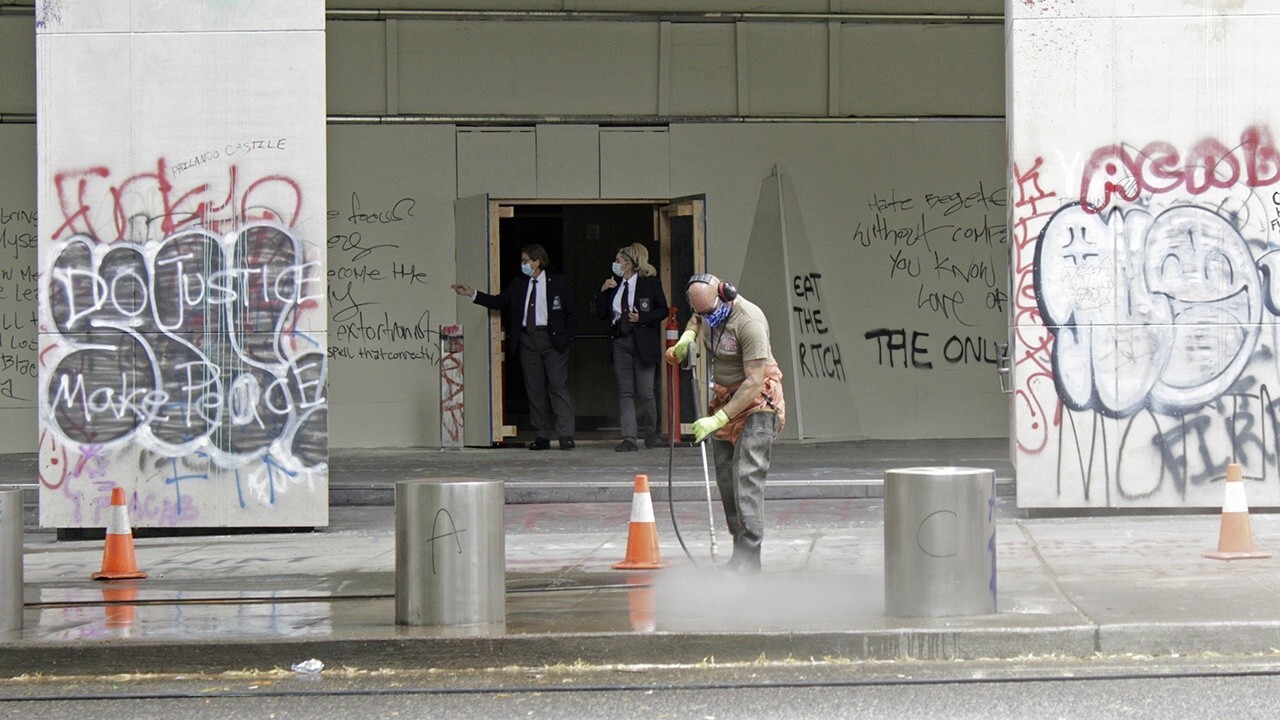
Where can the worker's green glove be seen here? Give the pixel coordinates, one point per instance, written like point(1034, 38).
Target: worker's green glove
point(677, 353)
point(707, 426)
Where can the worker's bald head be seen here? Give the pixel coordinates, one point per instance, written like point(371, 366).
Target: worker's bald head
point(703, 296)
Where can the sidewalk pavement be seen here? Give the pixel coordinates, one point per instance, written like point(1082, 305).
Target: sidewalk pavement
point(1072, 587)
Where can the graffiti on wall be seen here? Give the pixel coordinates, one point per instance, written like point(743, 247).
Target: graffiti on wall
point(376, 303)
point(1146, 320)
point(451, 387)
point(18, 300)
point(176, 330)
point(1117, 173)
point(817, 351)
point(943, 255)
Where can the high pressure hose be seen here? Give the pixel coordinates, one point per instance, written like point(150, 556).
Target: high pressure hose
point(673, 411)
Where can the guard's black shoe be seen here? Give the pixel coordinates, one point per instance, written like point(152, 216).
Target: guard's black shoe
point(626, 446)
point(652, 441)
point(567, 443)
point(540, 444)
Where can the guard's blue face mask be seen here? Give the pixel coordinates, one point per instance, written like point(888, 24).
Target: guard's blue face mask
point(716, 317)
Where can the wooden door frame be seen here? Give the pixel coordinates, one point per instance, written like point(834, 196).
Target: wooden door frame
point(504, 208)
point(694, 206)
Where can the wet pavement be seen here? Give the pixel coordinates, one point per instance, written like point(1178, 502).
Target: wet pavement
point(1066, 587)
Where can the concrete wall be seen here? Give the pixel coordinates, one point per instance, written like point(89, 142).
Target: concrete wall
point(182, 323)
point(904, 220)
point(1143, 211)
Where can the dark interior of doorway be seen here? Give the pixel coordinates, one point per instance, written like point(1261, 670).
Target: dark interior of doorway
point(581, 240)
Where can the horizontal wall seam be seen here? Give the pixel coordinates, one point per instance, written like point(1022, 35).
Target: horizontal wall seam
point(673, 17)
point(603, 120)
point(639, 120)
point(623, 16)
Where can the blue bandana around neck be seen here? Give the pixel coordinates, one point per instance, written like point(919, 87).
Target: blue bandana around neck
point(716, 317)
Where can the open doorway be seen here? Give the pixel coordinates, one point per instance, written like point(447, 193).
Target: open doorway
point(581, 238)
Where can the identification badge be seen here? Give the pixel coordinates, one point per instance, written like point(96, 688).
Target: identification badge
point(555, 302)
point(643, 305)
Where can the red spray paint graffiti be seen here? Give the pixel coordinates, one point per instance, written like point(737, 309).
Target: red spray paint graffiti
point(1118, 171)
point(451, 386)
point(1032, 208)
point(86, 195)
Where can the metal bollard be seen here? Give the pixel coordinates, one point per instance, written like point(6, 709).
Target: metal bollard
point(939, 541)
point(450, 552)
point(10, 560)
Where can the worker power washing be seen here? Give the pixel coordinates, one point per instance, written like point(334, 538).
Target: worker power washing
point(746, 410)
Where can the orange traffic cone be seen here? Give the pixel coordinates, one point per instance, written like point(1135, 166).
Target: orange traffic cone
point(118, 562)
point(1235, 538)
point(642, 540)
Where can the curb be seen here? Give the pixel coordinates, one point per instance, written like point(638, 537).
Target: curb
point(101, 657)
point(534, 492)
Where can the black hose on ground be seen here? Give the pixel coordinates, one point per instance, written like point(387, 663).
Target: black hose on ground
point(673, 380)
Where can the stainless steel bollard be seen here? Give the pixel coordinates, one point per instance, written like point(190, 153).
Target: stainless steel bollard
point(450, 552)
point(939, 541)
point(10, 560)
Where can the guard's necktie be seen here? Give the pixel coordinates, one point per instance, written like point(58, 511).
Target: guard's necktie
point(624, 322)
point(531, 311)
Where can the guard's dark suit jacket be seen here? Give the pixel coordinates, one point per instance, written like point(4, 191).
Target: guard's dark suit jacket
point(651, 304)
point(562, 314)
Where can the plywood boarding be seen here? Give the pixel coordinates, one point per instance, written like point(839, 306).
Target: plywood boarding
point(391, 253)
point(18, 287)
point(906, 224)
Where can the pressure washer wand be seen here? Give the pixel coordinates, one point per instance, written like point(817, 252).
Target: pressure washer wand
point(700, 405)
point(711, 519)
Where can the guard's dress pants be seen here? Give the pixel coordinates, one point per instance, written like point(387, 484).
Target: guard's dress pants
point(546, 380)
point(637, 408)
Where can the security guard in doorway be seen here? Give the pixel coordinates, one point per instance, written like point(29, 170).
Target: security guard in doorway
point(541, 320)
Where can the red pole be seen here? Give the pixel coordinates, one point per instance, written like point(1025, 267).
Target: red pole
point(673, 378)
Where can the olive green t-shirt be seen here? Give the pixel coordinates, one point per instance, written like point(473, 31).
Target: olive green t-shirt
point(743, 336)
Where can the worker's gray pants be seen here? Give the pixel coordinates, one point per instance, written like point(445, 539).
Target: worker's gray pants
point(740, 475)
